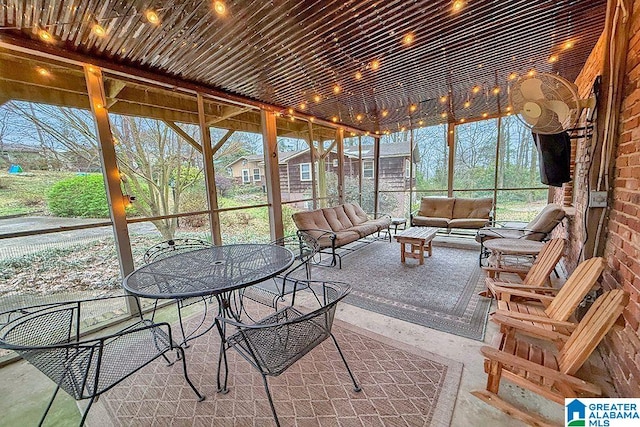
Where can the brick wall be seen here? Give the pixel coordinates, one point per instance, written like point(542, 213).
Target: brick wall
point(621, 348)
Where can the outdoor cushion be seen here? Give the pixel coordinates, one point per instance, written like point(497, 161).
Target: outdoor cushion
point(355, 215)
point(436, 207)
point(311, 220)
point(341, 216)
point(425, 221)
point(545, 221)
point(331, 216)
point(496, 232)
point(380, 223)
point(347, 236)
point(468, 222)
point(472, 208)
point(364, 229)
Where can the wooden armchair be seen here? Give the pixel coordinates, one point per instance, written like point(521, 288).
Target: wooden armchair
point(536, 277)
point(550, 312)
point(548, 373)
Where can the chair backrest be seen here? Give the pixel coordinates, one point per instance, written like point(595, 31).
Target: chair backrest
point(543, 223)
point(173, 247)
point(304, 247)
point(601, 316)
point(276, 342)
point(575, 288)
point(545, 263)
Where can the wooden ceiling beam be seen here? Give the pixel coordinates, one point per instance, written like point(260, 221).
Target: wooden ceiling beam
point(177, 129)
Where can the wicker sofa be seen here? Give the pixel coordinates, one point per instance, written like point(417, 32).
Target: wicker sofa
point(453, 212)
point(340, 225)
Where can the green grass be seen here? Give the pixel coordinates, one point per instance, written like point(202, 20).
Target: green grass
point(26, 192)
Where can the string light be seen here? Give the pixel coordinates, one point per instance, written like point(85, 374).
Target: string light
point(45, 36)
point(402, 129)
point(152, 17)
point(219, 7)
point(359, 117)
point(420, 122)
point(513, 76)
point(568, 45)
point(290, 110)
point(385, 113)
point(476, 89)
point(443, 115)
point(408, 39)
point(531, 72)
point(43, 72)
point(358, 75)
point(413, 108)
point(443, 99)
point(457, 5)
point(508, 108)
point(553, 58)
point(485, 115)
point(463, 120)
point(375, 64)
point(337, 89)
point(467, 104)
point(496, 90)
point(334, 119)
point(98, 30)
point(316, 98)
point(303, 106)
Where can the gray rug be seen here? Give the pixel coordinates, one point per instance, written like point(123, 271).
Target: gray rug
point(441, 294)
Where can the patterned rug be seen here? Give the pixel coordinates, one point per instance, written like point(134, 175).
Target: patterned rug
point(441, 294)
point(401, 386)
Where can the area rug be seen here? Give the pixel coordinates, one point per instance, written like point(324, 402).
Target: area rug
point(401, 385)
point(441, 294)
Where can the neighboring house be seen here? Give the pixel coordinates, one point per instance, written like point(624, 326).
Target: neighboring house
point(27, 156)
point(248, 169)
point(296, 176)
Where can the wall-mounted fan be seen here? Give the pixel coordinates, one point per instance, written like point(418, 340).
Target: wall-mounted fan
point(547, 103)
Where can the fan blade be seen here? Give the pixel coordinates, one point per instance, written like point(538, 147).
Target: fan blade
point(561, 109)
point(532, 89)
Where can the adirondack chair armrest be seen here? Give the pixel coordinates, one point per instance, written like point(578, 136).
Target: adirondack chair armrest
point(505, 269)
point(517, 362)
point(533, 318)
point(520, 287)
point(529, 329)
point(504, 290)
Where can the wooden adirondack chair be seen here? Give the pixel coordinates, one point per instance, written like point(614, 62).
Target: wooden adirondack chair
point(537, 277)
point(545, 372)
point(551, 312)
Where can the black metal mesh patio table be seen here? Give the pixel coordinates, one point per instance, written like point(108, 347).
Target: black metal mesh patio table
point(210, 271)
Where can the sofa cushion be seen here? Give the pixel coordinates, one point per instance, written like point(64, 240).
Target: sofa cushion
point(425, 221)
point(331, 215)
point(436, 207)
point(488, 233)
point(380, 223)
point(468, 223)
point(342, 238)
point(343, 217)
point(311, 220)
point(365, 229)
point(472, 208)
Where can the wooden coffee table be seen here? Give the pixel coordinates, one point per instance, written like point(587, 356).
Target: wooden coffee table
point(417, 238)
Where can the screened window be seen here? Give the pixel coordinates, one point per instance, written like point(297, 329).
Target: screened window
point(305, 171)
point(407, 168)
point(256, 174)
point(245, 176)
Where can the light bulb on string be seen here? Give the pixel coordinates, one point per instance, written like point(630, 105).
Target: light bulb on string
point(375, 64)
point(358, 75)
point(152, 17)
point(98, 30)
point(45, 36)
point(219, 7)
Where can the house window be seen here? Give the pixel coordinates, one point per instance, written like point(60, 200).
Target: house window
point(245, 176)
point(407, 168)
point(335, 163)
point(367, 169)
point(256, 174)
point(305, 171)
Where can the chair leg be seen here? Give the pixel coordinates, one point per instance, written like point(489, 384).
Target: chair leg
point(86, 411)
point(46, 411)
point(184, 337)
point(356, 387)
point(186, 377)
point(273, 408)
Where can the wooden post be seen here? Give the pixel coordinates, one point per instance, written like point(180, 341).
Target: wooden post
point(360, 170)
point(312, 152)
point(411, 173)
point(209, 174)
point(322, 174)
point(340, 143)
point(270, 141)
point(376, 174)
point(110, 172)
point(497, 163)
point(451, 143)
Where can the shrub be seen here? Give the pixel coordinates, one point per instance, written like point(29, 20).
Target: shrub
point(79, 196)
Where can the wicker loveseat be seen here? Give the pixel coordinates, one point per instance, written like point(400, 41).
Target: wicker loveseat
point(453, 212)
point(338, 226)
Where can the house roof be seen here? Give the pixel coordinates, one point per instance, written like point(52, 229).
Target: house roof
point(11, 147)
point(384, 57)
point(398, 149)
point(248, 157)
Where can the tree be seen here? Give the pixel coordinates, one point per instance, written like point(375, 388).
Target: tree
point(157, 164)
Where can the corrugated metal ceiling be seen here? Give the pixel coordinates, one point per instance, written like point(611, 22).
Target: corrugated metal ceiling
point(292, 54)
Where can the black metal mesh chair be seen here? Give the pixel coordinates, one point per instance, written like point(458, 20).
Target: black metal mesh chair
point(274, 343)
point(48, 337)
point(268, 293)
point(173, 247)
